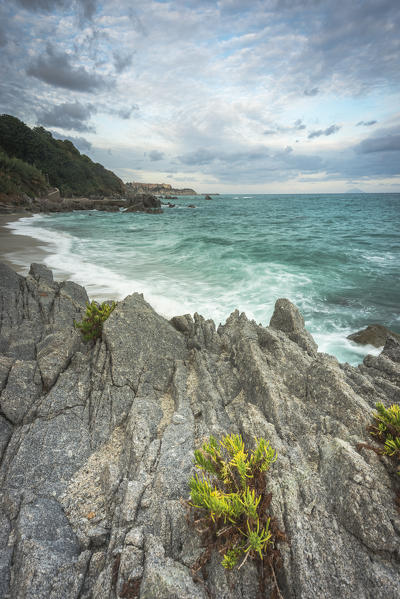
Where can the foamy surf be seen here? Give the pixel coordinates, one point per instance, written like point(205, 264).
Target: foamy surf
point(239, 255)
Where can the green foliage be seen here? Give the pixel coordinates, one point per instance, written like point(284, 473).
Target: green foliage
point(92, 324)
point(386, 429)
point(231, 503)
point(73, 173)
point(17, 176)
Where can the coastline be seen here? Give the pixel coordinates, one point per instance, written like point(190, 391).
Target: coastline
point(19, 251)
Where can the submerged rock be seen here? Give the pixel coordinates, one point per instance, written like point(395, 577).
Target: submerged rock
point(97, 448)
point(374, 334)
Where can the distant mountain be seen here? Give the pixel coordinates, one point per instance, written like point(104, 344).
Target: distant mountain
point(355, 190)
point(54, 162)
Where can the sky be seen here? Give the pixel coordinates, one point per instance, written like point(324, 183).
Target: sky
point(229, 96)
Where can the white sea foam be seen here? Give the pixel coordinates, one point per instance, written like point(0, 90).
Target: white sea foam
point(100, 282)
point(336, 343)
point(186, 269)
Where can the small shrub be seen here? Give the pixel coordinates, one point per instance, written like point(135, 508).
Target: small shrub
point(386, 430)
point(230, 505)
point(92, 324)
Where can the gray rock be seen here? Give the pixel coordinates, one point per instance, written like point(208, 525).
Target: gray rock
point(96, 460)
point(54, 353)
point(23, 388)
point(287, 318)
point(42, 274)
point(374, 334)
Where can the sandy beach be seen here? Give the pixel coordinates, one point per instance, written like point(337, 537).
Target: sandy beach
point(18, 251)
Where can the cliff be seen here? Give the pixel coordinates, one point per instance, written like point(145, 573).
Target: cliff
point(158, 188)
point(97, 448)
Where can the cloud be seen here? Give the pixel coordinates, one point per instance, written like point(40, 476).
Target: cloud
point(123, 113)
point(387, 143)
point(70, 115)
point(198, 157)
point(81, 143)
point(155, 155)
point(311, 92)
point(366, 123)
point(86, 8)
point(55, 68)
point(122, 61)
point(3, 37)
point(211, 105)
point(297, 126)
point(329, 131)
point(46, 5)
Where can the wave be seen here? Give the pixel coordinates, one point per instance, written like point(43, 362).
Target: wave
point(244, 258)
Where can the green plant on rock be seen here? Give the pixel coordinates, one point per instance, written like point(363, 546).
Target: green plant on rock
point(92, 324)
point(386, 430)
point(230, 505)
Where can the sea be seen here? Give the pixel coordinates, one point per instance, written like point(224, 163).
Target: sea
point(336, 256)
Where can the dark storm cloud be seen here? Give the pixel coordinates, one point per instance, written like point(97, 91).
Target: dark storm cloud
point(55, 68)
point(70, 115)
point(155, 155)
point(366, 123)
point(311, 92)
point(329, 131)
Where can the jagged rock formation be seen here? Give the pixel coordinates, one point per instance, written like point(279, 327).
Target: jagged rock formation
point(97, 443)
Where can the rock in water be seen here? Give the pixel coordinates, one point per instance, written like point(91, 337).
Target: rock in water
point(97, 448)
point(374, 334)
point(144, 202)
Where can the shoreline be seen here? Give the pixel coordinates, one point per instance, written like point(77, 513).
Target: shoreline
point(19, 251)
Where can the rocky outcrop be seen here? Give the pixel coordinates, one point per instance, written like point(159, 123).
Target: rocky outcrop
point(374, 334)
point(133, 203)
point(163, 189)
point(97, 448)
point(144, 202)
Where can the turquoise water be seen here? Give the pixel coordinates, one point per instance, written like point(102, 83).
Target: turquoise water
point(337, 257)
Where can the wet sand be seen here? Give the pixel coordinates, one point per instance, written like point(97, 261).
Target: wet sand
point(19, 251)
